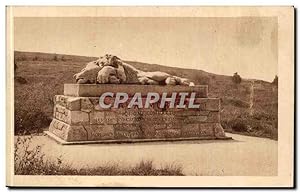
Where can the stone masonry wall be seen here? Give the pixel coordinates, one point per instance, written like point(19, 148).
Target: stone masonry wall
point(82, 119)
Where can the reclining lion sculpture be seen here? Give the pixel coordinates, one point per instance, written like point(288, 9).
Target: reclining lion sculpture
point(110, 69)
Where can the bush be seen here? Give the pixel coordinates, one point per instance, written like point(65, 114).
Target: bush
point(55, 58)
point(146, 168)
point(239, 125)
point(21, 80)
point(271, 131)
point(32, 121)
point(275, 81)
point(236, 78)
point(35, 58)
point(15, 64)
point(27, 161)
point(251, 125)
point(33, 108)
point(30, 160)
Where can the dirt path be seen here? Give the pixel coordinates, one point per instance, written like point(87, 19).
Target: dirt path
point(242, 156)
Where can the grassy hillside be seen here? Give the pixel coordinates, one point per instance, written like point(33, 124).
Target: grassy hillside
point(39, 76)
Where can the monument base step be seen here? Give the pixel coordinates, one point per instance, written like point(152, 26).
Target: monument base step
point(116, 141)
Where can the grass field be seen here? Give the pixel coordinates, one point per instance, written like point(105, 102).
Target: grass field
point(40, 76)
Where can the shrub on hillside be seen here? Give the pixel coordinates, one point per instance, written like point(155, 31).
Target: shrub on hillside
point(55, 58)
point(21, 80)
point(250, 125)
point(15, 64)
point(275, 81)
point(33, 110)
point(236, 78)
point(29, 121)
point(35, 58)
point(239, 125)
point(270, 131)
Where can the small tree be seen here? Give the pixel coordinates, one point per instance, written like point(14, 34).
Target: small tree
point(55, 58)
point(236, 78)
point(275, 81)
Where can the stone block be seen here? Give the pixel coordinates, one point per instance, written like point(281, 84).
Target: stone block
point(219, 131)
point(135, 134)
point(155, 119)
point(158, 126)
point(98, 132)
point(59, 128)
point(60, 109)
point(97, 118)
point(212, 117)
point(56, 99)
point(111, 118)
point(195, 119)
point(60, 116)
point(86, 105)
point(191, 112)
point(175, 125)
point(127, 119)
point(77, 133)
point(190, 130)
point(61, 113)
point(73, 103)
point(94, 101)
point(168, 133)
point(78, 118)
point(67, 132)
point(60, 99)
point(148, 131)
point(207, 129)
point(208, 104)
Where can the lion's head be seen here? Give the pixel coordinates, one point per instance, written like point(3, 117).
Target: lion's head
point(107, 65)
point(109, 60)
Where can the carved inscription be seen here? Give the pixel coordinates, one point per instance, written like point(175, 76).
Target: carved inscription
point(100, 132)
point(127, 134)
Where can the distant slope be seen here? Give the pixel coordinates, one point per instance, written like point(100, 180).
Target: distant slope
point(46, 73)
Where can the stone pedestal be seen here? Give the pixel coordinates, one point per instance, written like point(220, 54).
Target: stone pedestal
point(78, 117)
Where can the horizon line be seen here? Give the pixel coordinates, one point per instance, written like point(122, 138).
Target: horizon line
point(249, 79)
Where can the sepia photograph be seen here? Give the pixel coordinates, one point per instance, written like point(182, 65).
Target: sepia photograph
point(121, 96)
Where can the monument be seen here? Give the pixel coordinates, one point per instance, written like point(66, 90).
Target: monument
point(114, 102)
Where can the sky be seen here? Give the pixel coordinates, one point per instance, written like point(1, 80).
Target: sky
point(247, 45)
